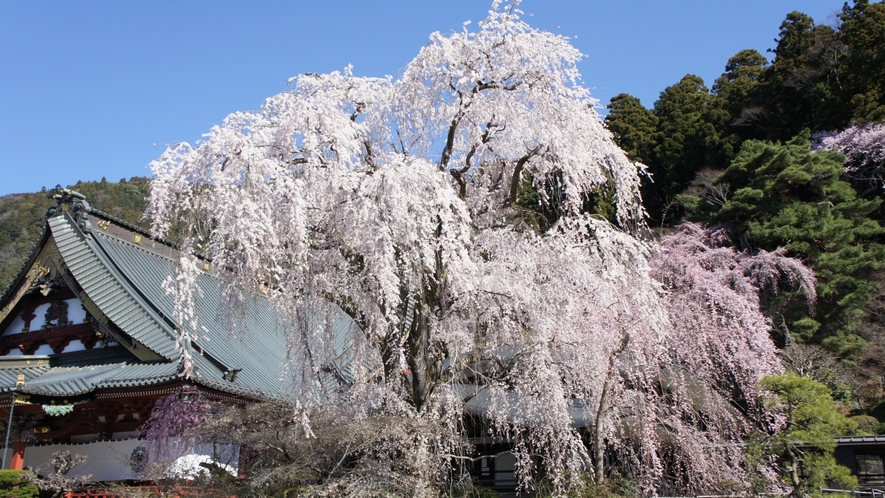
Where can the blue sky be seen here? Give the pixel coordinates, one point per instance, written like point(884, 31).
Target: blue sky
point(93, 89)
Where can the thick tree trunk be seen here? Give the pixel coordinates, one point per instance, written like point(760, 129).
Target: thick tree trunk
point(602, 412)
point(416, 358)
point(794, 470)
point(599, 435)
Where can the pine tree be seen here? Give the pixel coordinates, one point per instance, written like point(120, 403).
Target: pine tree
point(805, 442)
point(633, 127)
point(863, 70)
point(787, 196)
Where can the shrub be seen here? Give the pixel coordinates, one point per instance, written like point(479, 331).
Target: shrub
point(13, 485)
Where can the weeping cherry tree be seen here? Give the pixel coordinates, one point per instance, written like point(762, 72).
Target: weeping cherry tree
point(864, 149)
point(718, 351)
point(399, 200)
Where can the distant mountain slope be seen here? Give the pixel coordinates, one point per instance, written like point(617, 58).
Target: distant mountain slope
point(22, 215)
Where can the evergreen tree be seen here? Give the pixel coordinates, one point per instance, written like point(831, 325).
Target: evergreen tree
point(806, 442)
point(801, 88)
point(22, 217)
point(738, 90)
point(633, 127)
point(635, 131)
point(863, 70)
point(787, 196)
point(687, 141)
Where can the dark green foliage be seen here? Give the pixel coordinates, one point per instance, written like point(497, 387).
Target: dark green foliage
point(540, 216)
point(794, 42)
point(474, 491)
point(863, 69)
point(801, 88)
point(602, 202)
point(125, 200)
point(786, 196)
point(13, 485)
point(635, 130)
point(22, 216)
point(822, 78)
point(616, 487)
point(866, 424)
point(530, 210)
point(678, 138)
point(806, 442)
point(737, 90)
point(687, 139)
point(21, 221)
point(633, 126)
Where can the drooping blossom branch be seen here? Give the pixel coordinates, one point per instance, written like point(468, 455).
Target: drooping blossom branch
point(393, 199)
point(864, 149)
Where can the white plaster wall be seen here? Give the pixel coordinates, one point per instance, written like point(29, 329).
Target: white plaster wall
point(76, 313)
point(44, 349)
point(39, 317)
point(15, 327)
point(75, 345)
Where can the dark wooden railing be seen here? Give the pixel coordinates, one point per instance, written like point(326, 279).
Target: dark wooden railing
point(177, 492)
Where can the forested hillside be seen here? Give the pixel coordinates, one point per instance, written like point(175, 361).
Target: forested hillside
point(787, 153)
point(22, 215)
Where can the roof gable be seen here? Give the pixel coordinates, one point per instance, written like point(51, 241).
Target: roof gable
point(117, 271)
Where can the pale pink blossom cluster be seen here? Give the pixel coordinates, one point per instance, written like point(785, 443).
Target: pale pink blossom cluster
point(864, 150)
point(171, 428)
point(720, 344)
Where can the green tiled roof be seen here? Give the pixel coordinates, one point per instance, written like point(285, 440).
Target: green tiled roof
point(258, 349)
point(124, 281)
point(9, 376)
point(76, 381)
point(109, 290)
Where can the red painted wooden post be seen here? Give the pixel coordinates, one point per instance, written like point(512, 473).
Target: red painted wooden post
point(17, 462)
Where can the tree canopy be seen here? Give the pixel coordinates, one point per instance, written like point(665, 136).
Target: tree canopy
point(806, 442)
point(823, 77)
point(22, 216)
point(786, 196)
point(402, 200)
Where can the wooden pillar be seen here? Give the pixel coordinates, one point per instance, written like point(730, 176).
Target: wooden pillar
point(18, 456)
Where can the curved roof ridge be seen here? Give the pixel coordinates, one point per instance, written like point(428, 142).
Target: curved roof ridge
point(103, 284)
point(135, 228)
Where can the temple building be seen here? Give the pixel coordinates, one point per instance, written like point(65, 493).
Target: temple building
point(89, 342)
